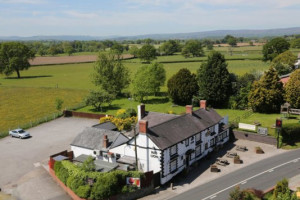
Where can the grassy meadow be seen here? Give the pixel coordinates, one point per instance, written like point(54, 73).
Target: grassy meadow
point(33, 96)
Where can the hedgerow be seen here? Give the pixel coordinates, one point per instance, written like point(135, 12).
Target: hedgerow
point(105, 184)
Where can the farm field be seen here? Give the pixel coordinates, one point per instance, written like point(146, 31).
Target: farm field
point(19, 106)
point(43, 84)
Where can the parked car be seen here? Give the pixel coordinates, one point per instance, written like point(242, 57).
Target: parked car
point(20, 133)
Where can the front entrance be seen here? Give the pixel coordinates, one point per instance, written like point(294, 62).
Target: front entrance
point(187, 160)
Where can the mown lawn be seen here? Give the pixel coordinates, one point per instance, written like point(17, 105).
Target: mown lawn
point(19, 106)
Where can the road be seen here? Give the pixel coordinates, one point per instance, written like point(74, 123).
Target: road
point(261, 175)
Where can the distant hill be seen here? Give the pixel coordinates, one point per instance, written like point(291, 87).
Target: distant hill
point(195, 35)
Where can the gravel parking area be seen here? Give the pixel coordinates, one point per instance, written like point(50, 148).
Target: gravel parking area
point(201, 174)
point(19, 157)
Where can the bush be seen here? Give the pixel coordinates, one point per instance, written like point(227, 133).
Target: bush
point(74, 183)
point(83, 191)
point(129, 188)
point(291, 133)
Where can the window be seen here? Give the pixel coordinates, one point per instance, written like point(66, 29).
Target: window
point(212, 129)
point(217, 139)
point(173, 150)
point(198, 137)
point(224, 134)
point(187, 142)
point(212, 142)
point(206, 146)
point(173, 165)
point(198, 150)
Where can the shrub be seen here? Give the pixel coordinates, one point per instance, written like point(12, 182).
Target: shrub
point(291, 133)
point(83, 191)
point(74, 183)
point(129, 188)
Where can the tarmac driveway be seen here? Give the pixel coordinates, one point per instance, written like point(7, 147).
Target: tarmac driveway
point(20, 156)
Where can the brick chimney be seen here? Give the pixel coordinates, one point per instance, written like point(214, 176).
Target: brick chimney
point(203, 104)
point(143, 126)
point(188, 109)
point(141, 111)
point(105, 141)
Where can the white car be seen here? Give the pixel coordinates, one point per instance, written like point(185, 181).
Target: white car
point(20, 133)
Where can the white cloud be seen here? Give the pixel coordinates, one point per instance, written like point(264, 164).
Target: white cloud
point(23, 1)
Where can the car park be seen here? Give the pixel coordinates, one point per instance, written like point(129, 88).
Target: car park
point(20, 133)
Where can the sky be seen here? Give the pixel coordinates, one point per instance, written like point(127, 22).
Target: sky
point(139, 17)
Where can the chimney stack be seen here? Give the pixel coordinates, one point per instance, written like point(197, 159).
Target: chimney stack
point(141, 111)
point(188, 109)
point(105, 142)
point(143, 126)
point(203, 104)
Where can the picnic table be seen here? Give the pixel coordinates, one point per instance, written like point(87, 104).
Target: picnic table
point(231, 154)
point(241, 148)
point(221, 161)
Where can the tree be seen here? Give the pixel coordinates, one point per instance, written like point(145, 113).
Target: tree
point(97, 97)
point(68, 48)
point(147, 53)
point(117, 48)
point(182, 86)
point(88, 165)
point(14, 56)
point(266, 95)
point(170, 47)
point(292, 89)
point(284, 62)
point(214, 80)
point(282, 191)
point(134, 51)
point(274, 47)
point(295, 43)
point(110, 73)
point(192, 48)
point(232, 41)
point(247, 194)
point(148, 80)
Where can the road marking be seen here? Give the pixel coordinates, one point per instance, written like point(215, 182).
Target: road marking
point(252, 177)
point(244, 182)
point(296, 160)
point(271, 170)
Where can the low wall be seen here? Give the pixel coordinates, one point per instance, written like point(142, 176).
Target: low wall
point(69, 113)
point(242, 135)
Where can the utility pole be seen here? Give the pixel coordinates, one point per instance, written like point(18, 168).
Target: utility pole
point(135, 149)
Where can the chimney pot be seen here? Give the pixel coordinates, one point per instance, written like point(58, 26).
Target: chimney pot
point(203, 104)
point(143, 126)
point(189, 109)
point(105, 141)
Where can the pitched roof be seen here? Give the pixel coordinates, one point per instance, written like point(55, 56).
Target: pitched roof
point(153, 119)
point(171, 132)
point(92, 138)
point(106, 125)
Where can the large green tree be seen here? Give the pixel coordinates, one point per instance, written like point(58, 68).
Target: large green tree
point(266, 95)
point(284, 62)
point(192, 48)
point(110, 73)
point(292, 89)
point(148, 80)
point(96, 98)
point(14, 56)
point(295, 43)
point(147, 53)
point(182, 86)
point(274, 47)
point(170, 47)
point(214, 80)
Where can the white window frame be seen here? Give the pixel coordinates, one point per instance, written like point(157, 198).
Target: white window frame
point(187, 142)
point(173, 150)
point(198, 137)
point(173, 165)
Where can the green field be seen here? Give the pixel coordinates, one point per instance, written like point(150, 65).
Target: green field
point(33, 96)
point(19, 106)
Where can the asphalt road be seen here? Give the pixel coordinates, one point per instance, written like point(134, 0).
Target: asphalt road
point(261, 175)
point(20, 156)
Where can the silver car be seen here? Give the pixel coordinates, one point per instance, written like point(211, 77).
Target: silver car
point(20, 133)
